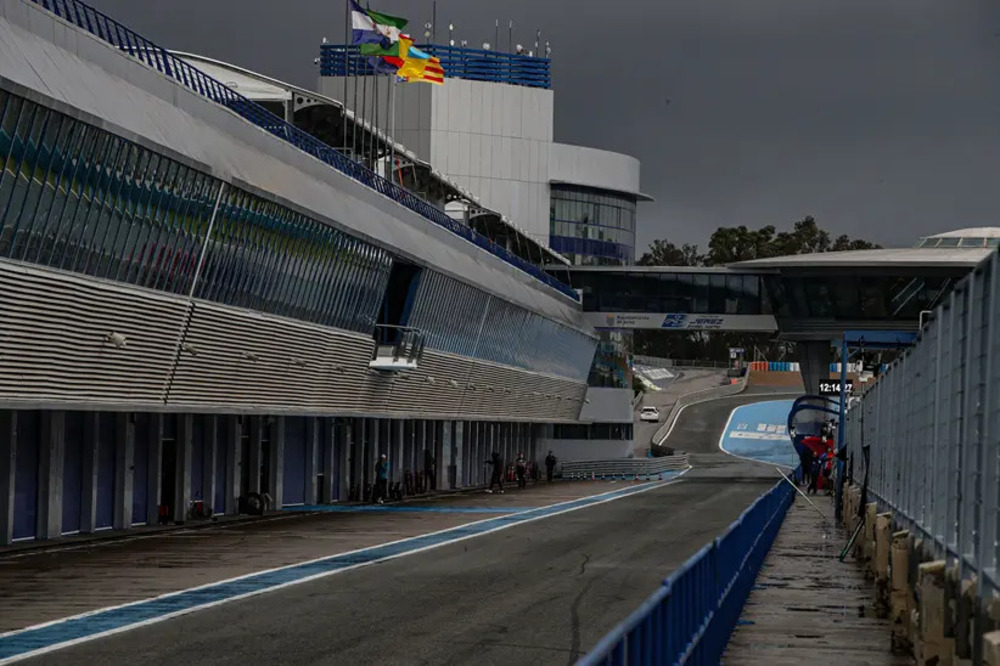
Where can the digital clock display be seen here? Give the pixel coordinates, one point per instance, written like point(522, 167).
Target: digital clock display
point(832, 388)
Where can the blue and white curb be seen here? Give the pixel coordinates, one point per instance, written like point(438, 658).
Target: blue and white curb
point(59, 634)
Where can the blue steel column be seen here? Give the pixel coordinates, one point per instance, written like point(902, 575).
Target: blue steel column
point(838, 507)
point(8, 453)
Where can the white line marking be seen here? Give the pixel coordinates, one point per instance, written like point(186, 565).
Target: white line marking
point(212, 604)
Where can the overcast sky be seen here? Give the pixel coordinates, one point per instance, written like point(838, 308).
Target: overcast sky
point(881, 118)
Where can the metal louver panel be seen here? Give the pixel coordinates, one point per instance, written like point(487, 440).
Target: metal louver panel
point(56, 349)
point(245, 360)
point(55, 346)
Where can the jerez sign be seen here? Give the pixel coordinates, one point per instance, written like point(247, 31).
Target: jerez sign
point(682, 321)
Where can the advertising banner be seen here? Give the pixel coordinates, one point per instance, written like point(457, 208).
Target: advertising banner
point(679, 321)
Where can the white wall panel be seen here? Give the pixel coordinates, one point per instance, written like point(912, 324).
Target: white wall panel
point(594, 168)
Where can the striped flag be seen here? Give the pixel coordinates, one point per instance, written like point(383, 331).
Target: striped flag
point(375, 28)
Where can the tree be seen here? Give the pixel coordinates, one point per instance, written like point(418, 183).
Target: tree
point(665, 253)
point(729, 245)
point(843, 243)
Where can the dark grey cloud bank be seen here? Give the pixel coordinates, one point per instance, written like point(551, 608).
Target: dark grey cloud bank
point(878, 117)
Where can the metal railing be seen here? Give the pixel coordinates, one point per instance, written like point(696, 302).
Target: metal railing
point(398, 343)
point(931, 427)
point(110, 31)
point(689, 619)
point(458, 63)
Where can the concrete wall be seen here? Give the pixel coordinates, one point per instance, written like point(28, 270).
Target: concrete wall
point(607, 405)
point(585, 449)
point(590, 167)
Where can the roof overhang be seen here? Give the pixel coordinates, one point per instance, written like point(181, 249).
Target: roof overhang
point(927, 258)
point(639, 196)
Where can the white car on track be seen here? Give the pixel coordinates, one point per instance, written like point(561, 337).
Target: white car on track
point(649, 413)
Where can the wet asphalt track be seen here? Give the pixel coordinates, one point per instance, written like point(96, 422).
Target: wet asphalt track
point(539, 593)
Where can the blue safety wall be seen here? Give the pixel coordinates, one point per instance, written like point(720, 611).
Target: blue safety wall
point(198, 457)
point(760, 431)
point(106, 471)
point(221, 464)
point(26, 476)
point(140, 482)
point(294, 489)
point(72, 481)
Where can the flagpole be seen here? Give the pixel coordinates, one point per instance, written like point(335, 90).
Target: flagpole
point(354, 110)
point(364, 111)
point(375, 139)
point(347, 41)
point(392, 125)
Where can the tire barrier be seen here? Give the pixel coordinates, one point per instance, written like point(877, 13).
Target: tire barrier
point(690, 618)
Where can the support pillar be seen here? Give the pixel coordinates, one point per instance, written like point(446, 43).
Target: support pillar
point(234, 463)
point(154, 468)
point(314, 432)
point(209, 456)
point(458, 456)
point(276, 479)
point(8, 467)
point(124, 470)
point(931, 648)
point(343, 435)
point(900, 594)
point(397, 454)
point(256, 435)
point(442, 452)
point(182, 479)
point(88, 490)
point(50, 475)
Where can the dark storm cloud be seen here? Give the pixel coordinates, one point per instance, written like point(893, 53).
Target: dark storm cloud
point(878, 117)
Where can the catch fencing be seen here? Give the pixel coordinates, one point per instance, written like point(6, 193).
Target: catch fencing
point(931, 427)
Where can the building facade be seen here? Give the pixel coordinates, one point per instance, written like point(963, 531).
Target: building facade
point(203, 306)
point(491, 130)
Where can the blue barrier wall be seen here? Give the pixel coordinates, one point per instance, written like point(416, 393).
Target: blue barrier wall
point(689, 619)
point(760, 431)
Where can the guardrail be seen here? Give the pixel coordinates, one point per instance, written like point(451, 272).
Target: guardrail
point(690, 618)
point(623, 467)
point(695, 398)
point(117, 35)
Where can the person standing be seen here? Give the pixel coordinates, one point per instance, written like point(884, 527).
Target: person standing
point(496, 479)
point(521, 467)
point(381, 479)
point(550, 466)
